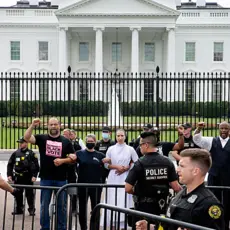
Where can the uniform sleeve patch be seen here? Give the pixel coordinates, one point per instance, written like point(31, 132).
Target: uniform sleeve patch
point(35, 155)
point(214, 212)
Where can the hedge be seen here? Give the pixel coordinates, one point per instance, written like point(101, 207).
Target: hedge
point(100, 108)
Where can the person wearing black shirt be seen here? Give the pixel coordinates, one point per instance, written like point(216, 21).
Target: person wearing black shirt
point(150, 178)
point(188, 141)
point(103, 145)
point(23, 168)
point(90, 171)
point(55, 153)
point(165, 147)
point(195, 204)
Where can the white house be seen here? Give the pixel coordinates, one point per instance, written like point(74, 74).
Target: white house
point(109, 35)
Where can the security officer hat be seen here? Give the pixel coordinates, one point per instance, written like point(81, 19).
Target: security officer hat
point(187, 125)
point(106, 129)
point(148, 126)
point(21, 140)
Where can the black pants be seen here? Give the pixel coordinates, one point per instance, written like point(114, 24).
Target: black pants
point(24, 180)
point(222, 196)
point(72, 178)
point(150, 207)
point(95, 197)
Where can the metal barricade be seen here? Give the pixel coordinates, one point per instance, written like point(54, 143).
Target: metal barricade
point(104, 189)
point(24, 221)
point(142, 215)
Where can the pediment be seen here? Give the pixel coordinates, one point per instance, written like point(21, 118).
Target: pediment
point(116, 7)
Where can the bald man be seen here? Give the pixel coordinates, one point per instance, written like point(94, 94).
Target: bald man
point(219, 173)
point(55, 152)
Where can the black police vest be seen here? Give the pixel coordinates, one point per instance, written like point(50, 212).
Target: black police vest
point(154, 180)
point(22, 161)
point(103, 146)
point(182, 206)
point(220, 160)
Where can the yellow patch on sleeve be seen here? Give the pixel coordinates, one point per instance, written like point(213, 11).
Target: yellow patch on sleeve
point(214, 212)
point(22, 158)
point(35, 155)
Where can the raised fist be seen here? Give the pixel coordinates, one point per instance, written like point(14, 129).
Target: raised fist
point(36, 122)
point(201, 125)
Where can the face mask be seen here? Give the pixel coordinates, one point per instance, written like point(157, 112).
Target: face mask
point(105, 136)
point(90, 145)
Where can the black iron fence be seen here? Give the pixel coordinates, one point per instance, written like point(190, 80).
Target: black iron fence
point(88, 101)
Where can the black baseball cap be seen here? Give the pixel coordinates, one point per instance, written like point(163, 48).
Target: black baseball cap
point(106, 129)
point(187, 125)
point(21, 140)
point(148, 126)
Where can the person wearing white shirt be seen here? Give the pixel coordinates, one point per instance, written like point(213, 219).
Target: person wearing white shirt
point(219, 173)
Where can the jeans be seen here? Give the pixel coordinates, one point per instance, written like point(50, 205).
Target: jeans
point(45, 202)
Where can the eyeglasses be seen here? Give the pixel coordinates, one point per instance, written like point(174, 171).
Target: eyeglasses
point(143, 143)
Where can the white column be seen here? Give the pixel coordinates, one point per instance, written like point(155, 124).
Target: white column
point(98, 61)
point(135, 62)
point(63, 49)
point(99, 49)
point(171, 50)
point(135, 50)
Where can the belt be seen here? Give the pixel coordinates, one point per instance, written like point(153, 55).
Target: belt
point(21, 173)
point(138, 199)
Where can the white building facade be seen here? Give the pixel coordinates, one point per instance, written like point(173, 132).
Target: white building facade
point(105, 35)
point(108, 35)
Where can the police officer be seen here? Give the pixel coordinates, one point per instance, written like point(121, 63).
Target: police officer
point(146, 128)
point(188, 141)
point(195, 204)
point(103, 145)
point(150, 178)
point(23, 168)
point(77, 142)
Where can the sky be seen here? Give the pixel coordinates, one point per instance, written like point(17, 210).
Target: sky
point(225, 3)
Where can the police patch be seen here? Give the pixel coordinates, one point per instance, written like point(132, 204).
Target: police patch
point(36, 156)
point(214, 212)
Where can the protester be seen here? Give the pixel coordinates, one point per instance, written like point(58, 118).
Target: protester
point(188, 141)
point(219, 173)
point(195, 204)
point(55, 152)
point(119, 160)
point(23, 168)
point(90, 171)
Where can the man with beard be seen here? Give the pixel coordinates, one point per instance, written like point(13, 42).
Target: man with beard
point(219, 173)
point(55, 152)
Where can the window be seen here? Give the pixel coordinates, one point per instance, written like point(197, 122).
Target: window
point(84, 51)
point(148, 90)
point(83, 90)
point(15, 51)
point(218, 51)
point(14, 90)
point(190, 91)
point(43, 90)
point(43, 49)
point(116, 52)
point(149, 52)
point(190, 51)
